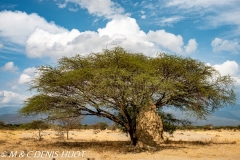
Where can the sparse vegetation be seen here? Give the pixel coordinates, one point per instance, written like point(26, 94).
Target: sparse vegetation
point(68, 123)
point(2, 123)
point(207, 127)
point(170, 126)
point(122, 147)
point(9, 126)
point(103, 146)
point(39, 126)
point(170, 123)
point(112, 127)
point(59, 132)
point(100, 125)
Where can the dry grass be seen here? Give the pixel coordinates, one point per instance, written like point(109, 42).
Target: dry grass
point(206, 142)
point(115, 145)
point(98, 146)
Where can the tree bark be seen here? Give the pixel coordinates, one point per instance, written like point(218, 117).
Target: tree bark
point(39, 135)
point(134, 139)
point(67, 133)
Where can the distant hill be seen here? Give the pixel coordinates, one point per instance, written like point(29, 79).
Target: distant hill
point(236, 113)
point(15, 119)
point(95, 119)
point(9, 110)
point(9, 116)
point(226, 116)
point(231, 108)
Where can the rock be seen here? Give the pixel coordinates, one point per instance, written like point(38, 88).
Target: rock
point(149, 129)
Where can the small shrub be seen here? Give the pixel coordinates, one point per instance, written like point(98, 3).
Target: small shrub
point(84, 126)
point(60, 132)
point(39, 126)
point(170, 123)
point(100, 125)
point(238, 127)
point(113, 127)
point(2, 123)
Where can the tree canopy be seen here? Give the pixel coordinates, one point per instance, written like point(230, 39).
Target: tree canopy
point(116, 84)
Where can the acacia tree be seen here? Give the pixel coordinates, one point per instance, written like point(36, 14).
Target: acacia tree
point(117, 84)
point(66, 118)
point(38, 125)
point(69, 123)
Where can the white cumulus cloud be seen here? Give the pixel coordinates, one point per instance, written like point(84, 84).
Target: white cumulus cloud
point(24, 78)
point(11, 98)
point(42, 43)
point(167, 40)
point(121, 31)
point(229, 68)
point(123, 26)
point(220, 45)
point(27, 75)
point(9, 66)
point(46, 39)
point(191, 46)
point(16, 26)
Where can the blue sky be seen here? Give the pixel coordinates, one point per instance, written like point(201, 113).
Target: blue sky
point(38, 32)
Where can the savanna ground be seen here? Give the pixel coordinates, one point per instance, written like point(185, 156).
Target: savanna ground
point(114, 145)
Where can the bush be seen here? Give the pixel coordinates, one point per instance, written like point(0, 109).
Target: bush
point(2, 123)
point(170, 123)
point(113, 127)
point(39, 126)
point(84, 126)
point(100, 125)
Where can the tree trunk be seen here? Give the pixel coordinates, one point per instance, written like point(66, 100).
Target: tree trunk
point(39, 135)
point(149, 127)
point(133, 137)
point(67, 133)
